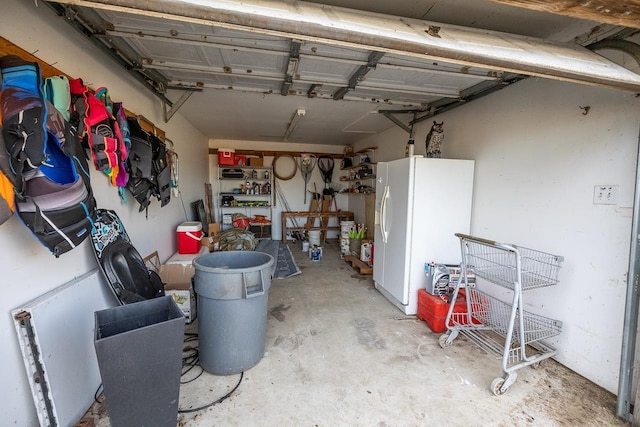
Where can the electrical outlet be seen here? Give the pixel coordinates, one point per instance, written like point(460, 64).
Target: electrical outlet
point(605, 195)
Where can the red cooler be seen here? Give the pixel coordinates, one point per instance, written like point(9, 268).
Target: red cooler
point(189, 236)
point(226, 156)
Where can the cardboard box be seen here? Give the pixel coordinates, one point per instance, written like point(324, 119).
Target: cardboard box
point(214, 229)
point(177, 280)
point(213, 240)
point(256, 161)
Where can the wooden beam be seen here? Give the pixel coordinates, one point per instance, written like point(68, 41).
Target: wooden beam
point(9, 48)
point(273, 153)
point(616, 12)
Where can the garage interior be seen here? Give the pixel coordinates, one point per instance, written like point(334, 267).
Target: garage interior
point(541, 95)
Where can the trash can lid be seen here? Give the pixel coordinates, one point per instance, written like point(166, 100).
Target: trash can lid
point(233, 262)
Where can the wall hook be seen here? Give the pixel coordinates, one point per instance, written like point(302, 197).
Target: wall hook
point(585, 110)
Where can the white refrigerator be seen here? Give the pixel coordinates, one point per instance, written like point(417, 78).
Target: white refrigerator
point(420, 204)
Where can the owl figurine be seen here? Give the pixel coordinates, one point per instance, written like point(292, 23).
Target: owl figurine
point(434, 140)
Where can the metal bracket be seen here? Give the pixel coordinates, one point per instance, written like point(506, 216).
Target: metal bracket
point(176, 106)
point(292, 67)
point(389, 114)
point(359, 75)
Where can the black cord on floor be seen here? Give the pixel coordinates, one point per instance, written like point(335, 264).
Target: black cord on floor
point(97, 393)
point(189, 360)
point(222, 399)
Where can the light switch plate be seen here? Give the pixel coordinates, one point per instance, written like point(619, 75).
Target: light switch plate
point(605, 195)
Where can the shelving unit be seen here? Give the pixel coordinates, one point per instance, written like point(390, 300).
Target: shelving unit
point(246, 190)
point(362, 170)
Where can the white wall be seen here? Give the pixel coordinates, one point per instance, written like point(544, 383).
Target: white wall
point(293, 189)
point(538, 159)
point(27, 267)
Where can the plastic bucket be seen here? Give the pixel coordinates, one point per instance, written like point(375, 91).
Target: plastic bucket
point(354, 246)
point(232, 290)
point(314, 237)
point(305, 246)
point(345, 227)
point(189, 236)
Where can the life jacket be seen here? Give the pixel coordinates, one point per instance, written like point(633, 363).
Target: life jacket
point(58, 93)
point(97, 128)
point(7, 195)
point(149, 173)
point(23, 116)
point(118, 120)
point(56, 202)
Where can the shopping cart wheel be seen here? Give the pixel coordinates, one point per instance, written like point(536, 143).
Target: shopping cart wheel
point(500, 385)
point(538, 364)
point(496, 386)
point(445, 340)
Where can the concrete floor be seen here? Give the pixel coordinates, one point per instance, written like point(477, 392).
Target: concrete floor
point(339, 354)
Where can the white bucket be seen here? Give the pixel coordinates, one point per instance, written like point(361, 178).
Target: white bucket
point(345, 227)
point(314, 237)
point(305, 246)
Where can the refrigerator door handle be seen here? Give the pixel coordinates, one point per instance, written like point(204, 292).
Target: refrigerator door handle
point(383, 214)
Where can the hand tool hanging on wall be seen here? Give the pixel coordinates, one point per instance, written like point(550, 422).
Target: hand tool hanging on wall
point(325, 164)
point(306, 164)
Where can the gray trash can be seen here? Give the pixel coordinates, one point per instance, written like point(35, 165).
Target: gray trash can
point(139, 350)
point(232, 289)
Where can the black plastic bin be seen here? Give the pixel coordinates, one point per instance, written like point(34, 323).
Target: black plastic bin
point(139, 349)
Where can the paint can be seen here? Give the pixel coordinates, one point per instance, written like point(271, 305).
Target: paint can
point(315, 253)
point(305, 246)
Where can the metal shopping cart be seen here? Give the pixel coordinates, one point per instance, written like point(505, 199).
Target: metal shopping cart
point(504, 329)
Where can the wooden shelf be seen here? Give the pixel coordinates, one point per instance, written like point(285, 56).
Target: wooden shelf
point(359, 165)
point(245, 195)
point(274, 153)
point(343, 215)
point(358, 179)
point(244, 179)
point(246, 207)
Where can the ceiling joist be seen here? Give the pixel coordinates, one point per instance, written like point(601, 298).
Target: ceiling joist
point(617, 12)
